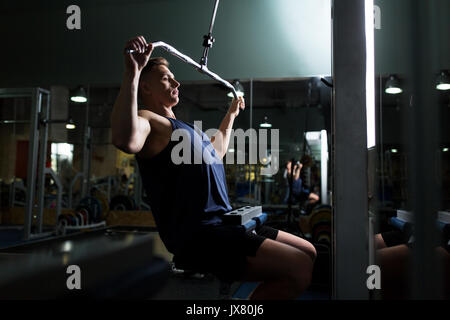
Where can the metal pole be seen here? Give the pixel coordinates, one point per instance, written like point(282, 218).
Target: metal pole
point(78, 175)
point(44, 115)
point(36, 100)
point(86, 152)
point(213, 18)
point(250, 137)
point(381, 140)
point(60, 189)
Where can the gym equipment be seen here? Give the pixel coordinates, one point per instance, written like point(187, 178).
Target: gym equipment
point(320, 224)
point(103, 200)
point(249, 218)
point(124, 268)
point(72, 183)
point(17, 193)
point(93, 206)
point(122, 203)
point(39, 119)
point(202, 66)
point(242, 215)
point(404, 221)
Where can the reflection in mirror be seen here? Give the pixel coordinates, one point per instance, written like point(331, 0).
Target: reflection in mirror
point(290, 176)
point(391, 200)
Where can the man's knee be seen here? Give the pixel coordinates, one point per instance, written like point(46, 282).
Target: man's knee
point(312, 252)
point(300, 273)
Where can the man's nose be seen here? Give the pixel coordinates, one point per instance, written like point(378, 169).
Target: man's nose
point(175, 83)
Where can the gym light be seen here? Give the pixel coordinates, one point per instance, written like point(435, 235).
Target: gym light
point(394, 150)
point(393, 86)
point(443, 81)
point(370, 73)
point(266, 123)
point(444, 149)
point(70, 125)
point(79, 95)
point(239, 89)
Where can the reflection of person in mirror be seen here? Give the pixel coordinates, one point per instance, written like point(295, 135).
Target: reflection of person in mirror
point(299, 192)
point(394, 256)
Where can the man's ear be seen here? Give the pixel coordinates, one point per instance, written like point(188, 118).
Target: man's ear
point(144, 87)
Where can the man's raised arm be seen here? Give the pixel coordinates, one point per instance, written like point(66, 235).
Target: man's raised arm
point(221, 139)
point(128, 130)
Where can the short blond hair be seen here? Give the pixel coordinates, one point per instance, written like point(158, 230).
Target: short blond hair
point(157, 61)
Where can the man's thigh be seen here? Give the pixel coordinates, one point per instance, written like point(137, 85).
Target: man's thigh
point(274, 260)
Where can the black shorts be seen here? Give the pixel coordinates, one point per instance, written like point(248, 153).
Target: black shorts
point(395, 238)
point(223, 250)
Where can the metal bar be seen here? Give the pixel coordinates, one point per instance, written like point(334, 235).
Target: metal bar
point(86, 152)
point(201, 68)
point(16, 92)
point(60, 190)
point(251, 126)
point(32, 158)
point(213, 18)
point(381, 141)
point(350, 216)
point(14, 121)
point(78, 175)
point(43, 130)
point(89, 145)
point(20, 92)
point(28, 121)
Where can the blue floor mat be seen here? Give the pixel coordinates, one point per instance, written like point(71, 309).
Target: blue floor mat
point(247, 287)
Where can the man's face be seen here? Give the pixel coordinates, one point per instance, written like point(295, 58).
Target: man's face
point(160, 86)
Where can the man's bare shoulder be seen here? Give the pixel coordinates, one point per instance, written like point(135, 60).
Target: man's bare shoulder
point(157, 140)
point(157, 121)
point(147, 114)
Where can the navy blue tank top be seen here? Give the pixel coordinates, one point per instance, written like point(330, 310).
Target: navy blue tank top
point(185, 196)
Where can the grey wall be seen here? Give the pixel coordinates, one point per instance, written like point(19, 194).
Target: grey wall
point(254, 38)
point(394, 41)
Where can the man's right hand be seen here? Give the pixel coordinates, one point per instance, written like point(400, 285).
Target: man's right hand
point(136, 61)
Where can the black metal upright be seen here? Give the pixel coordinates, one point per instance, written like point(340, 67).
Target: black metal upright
point(349, 147)
point(423, 142)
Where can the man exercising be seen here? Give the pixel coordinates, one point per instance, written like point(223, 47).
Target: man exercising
point(188, 200)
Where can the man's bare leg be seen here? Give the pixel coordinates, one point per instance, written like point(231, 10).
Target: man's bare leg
point(285, 271)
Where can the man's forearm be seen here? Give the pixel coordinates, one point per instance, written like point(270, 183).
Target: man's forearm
point(124, 117)
point(221, 139)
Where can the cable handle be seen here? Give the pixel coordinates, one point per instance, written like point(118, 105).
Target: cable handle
point(201, 68)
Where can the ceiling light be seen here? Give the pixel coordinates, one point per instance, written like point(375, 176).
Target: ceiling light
point(393, 86)
point(79, 95)
point(70, 125)
point(443, 81)
point(266, 123)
